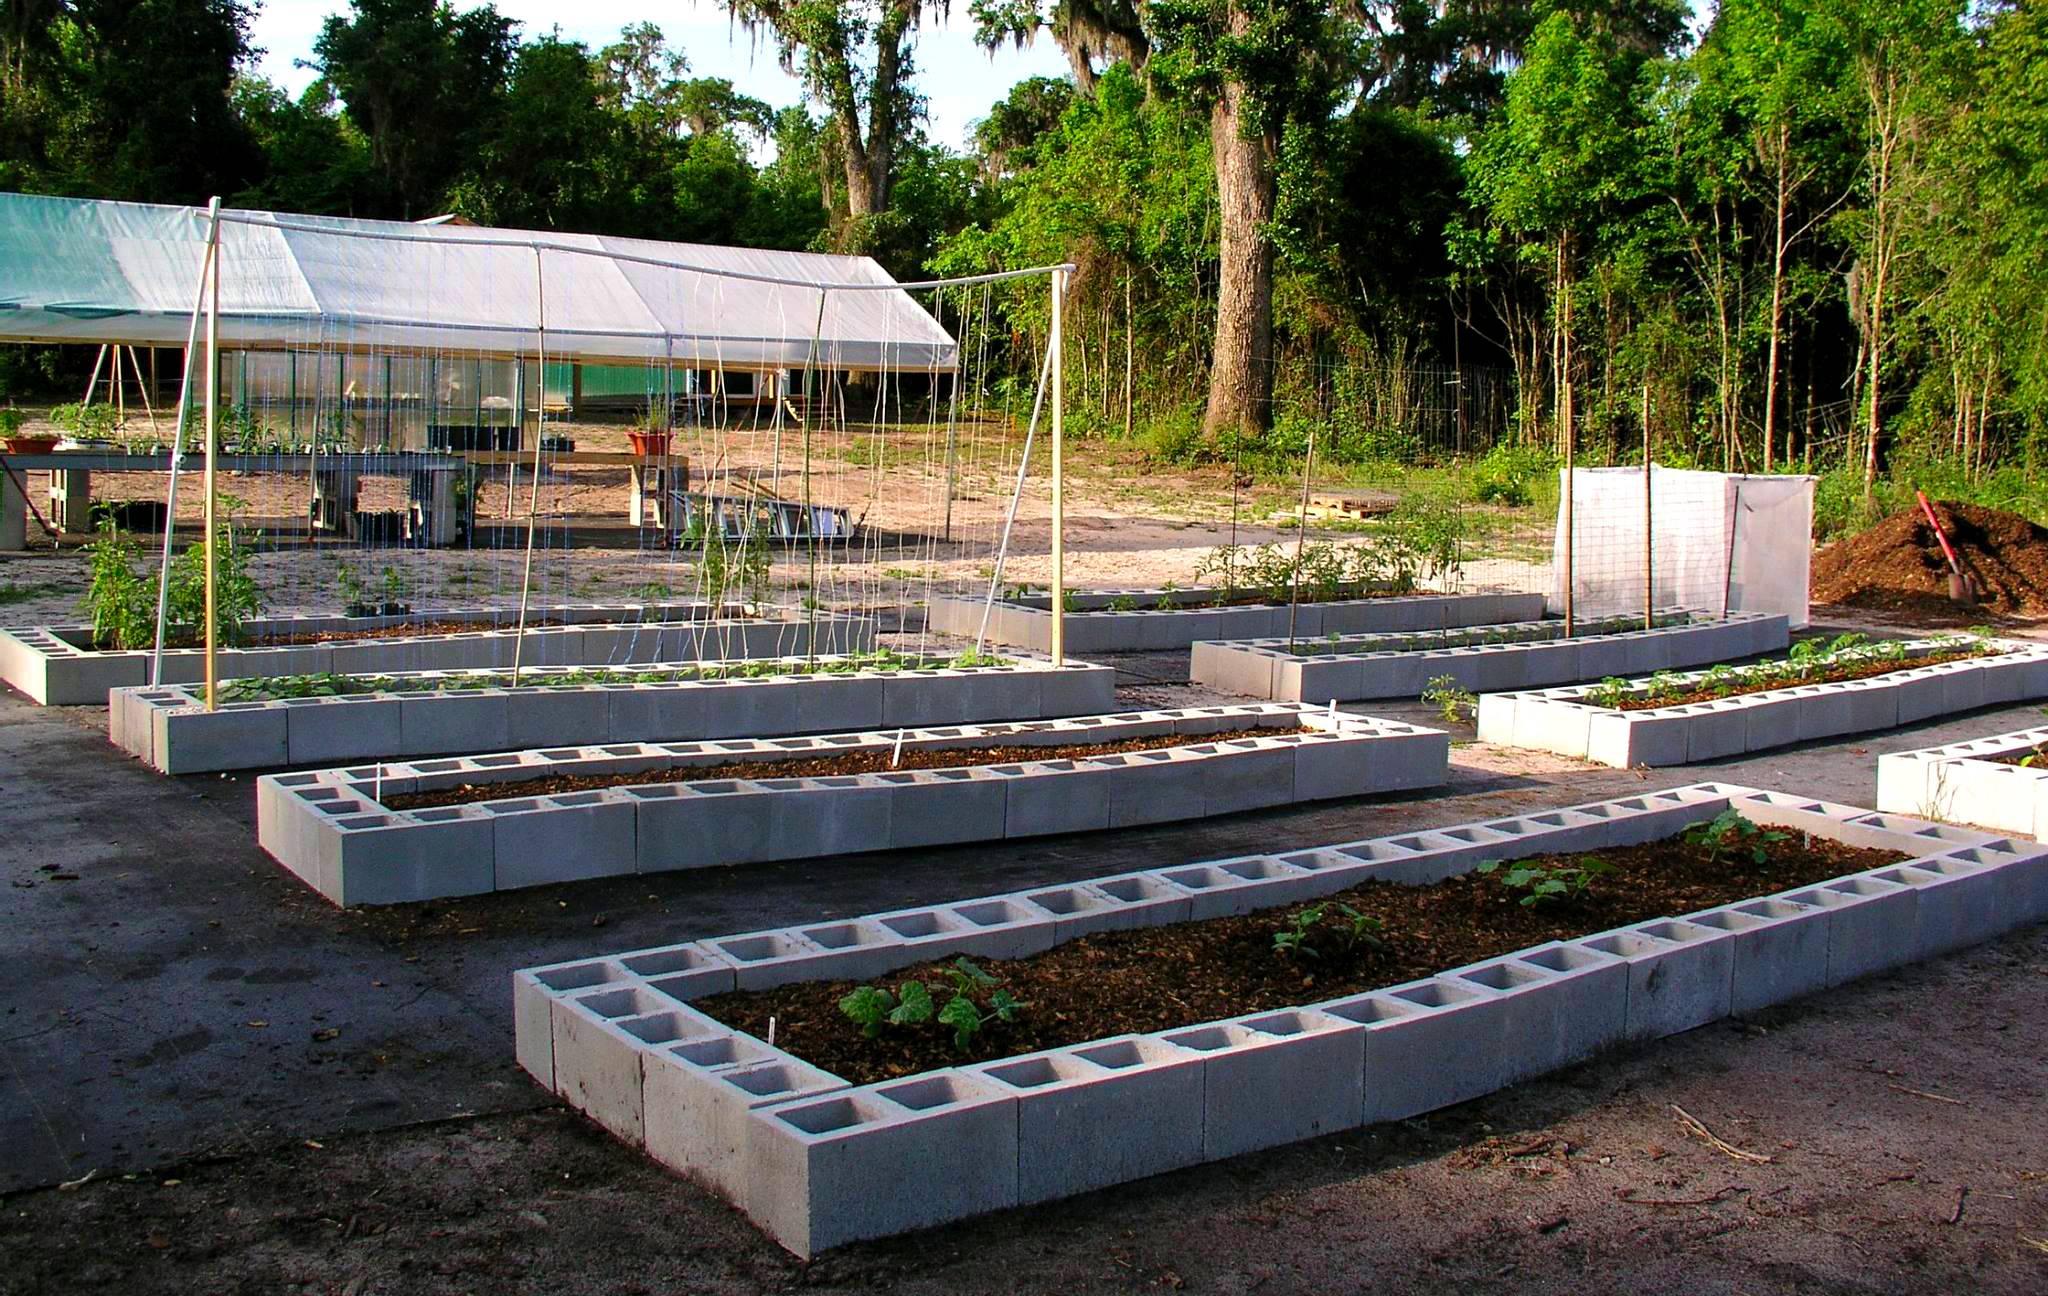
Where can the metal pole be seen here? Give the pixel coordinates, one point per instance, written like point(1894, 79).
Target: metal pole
point(1649, 531)
point(94, 381)
point(1301, 537)
point(163, 576)
point(1059, 485)
point(540, 333)
point(212, 448)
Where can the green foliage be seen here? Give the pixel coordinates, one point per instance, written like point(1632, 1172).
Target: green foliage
point(1556, 885)
point(1453, 702)
point(1507, 474)
point(1730, 833)
point(734, 569)
point(121, 602)
point(1337, 930)
point(972, 1001)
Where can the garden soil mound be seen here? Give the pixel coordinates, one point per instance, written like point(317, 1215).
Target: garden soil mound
point(1898, 564)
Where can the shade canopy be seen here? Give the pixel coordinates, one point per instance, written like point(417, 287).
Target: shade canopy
point(81, 270)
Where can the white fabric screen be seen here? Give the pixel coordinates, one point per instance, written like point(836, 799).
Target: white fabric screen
point(1723, 542)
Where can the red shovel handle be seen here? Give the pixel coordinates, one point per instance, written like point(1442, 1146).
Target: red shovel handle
point(1939, 534)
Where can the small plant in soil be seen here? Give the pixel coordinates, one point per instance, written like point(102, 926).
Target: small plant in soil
point(1730, 833)
point(1121, 603)
point(1542, 886)
point(1330, 928)
point(972, 1001)
point(1453, 702)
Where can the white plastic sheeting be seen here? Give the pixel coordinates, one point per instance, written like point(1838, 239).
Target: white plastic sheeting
point(1723, 542)
point(80, 270)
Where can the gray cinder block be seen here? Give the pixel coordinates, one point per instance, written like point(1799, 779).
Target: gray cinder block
point(1275, 1078)
point(1680, 975)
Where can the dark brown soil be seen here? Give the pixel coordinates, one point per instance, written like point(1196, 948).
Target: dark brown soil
point(861, 762)
point(1159, 978)
point(1864, 670)
point(1898, 564)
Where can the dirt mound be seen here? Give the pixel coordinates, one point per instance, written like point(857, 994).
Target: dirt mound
point(1898, 564)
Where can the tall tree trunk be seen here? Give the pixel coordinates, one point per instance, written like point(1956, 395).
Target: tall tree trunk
point(1241, 373)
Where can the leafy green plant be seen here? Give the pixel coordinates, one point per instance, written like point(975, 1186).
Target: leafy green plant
point(1609, 692)
point(973, 999)
point(1452, 700)
point(10, 422)
point(1730, 833)
point(120, 604)
point(1121, 603)
point(1334, 926)
point(1541, 886)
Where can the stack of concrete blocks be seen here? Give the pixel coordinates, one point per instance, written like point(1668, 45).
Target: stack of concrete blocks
point(1403, 665)
point(332, 829)
point(801, 1151)
point(1562, 721)
point(1976, 782)
point(434, 713)
point(56, 666)
point(1149, 627)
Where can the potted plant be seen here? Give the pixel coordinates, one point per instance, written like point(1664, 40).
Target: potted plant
point(10, 432)
point(649, 440)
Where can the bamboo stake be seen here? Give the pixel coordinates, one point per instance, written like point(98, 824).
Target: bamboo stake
point(163, 578)
point(1059, 501)
point(540, 334)
point(212, 451)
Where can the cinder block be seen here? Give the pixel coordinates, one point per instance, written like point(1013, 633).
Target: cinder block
point(654, 712)
point(541, 840)
point(395, 859)
point(1244, 774)
point(1917, 694)
point(1872, 925)
point(1552, 1017)
point(1776, 723)
point(1429, 1044)
point(1076, 690)
point(696, 825)
point(546, 717)
point(468, 721)
point(1275, 1078)
point(1781, 950)
point(1164, 786)
point(327, 731)
point(682, 972)
point(936, 807)
point(1680, 975)
point(837, 703)
point(1496, 721)
point(533, 1014)
point(698, 1094)
point(1010, 926)
point(1325, 769)
point(599, 1036)
point(745, 708)
point(1239, 886)
point(237, 736)
point(944, 1144)
point(1102, 1114)
point(1392, 675)
point(836, 815)
point(1053, 797)
point(1627, 739)
point(1957, 902)
point(1317, 679)
point(1112, 904)
point(1715, 730)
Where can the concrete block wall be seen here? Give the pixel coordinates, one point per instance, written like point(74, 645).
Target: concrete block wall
point(1522, 655)
point(171, 729)
point(334, 829)
point(55, 666)
point(1027, 623)
point(1561, 720)
point(1968, 782)
point(800, 1152)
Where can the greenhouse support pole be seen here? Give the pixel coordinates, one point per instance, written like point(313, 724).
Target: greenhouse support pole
point(163, 576)
point(1571, 525)
point(995, 578)
point(1059, 485)
point(1308, 469)
point(212, 453)
point(1649, 530)
point(540, 333)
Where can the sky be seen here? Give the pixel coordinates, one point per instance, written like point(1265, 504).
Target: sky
point(959, 80)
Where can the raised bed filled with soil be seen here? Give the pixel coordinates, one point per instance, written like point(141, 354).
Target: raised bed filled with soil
point(492, 823)
point(1153, 1020)
point(432, 713)
point(1999, 782)
point(1518, 655)
point(59, 666)
point(1625, 726)
point(1146, 620)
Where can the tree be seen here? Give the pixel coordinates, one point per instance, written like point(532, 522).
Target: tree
point(871, 107)
point(421, 82)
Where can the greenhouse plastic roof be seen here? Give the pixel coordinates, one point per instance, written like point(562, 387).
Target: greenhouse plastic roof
point(80, 270)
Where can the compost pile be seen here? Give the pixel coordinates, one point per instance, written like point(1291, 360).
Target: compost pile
point(1898, 564)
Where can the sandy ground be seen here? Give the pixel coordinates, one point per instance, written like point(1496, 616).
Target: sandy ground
point(1129, 524)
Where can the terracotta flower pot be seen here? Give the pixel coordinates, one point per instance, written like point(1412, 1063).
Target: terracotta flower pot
point(31, 445)
point(649, 444)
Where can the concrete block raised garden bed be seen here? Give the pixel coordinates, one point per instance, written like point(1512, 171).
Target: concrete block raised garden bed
point(417, 830)
point(1518, 655)
point(432, 713)
point(1976, 782)
point(1147, 620)
point(642, 1042)
point(1584, 721)
point(57, 666)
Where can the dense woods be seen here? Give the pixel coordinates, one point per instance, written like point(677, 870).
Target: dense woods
point(1792, 233)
